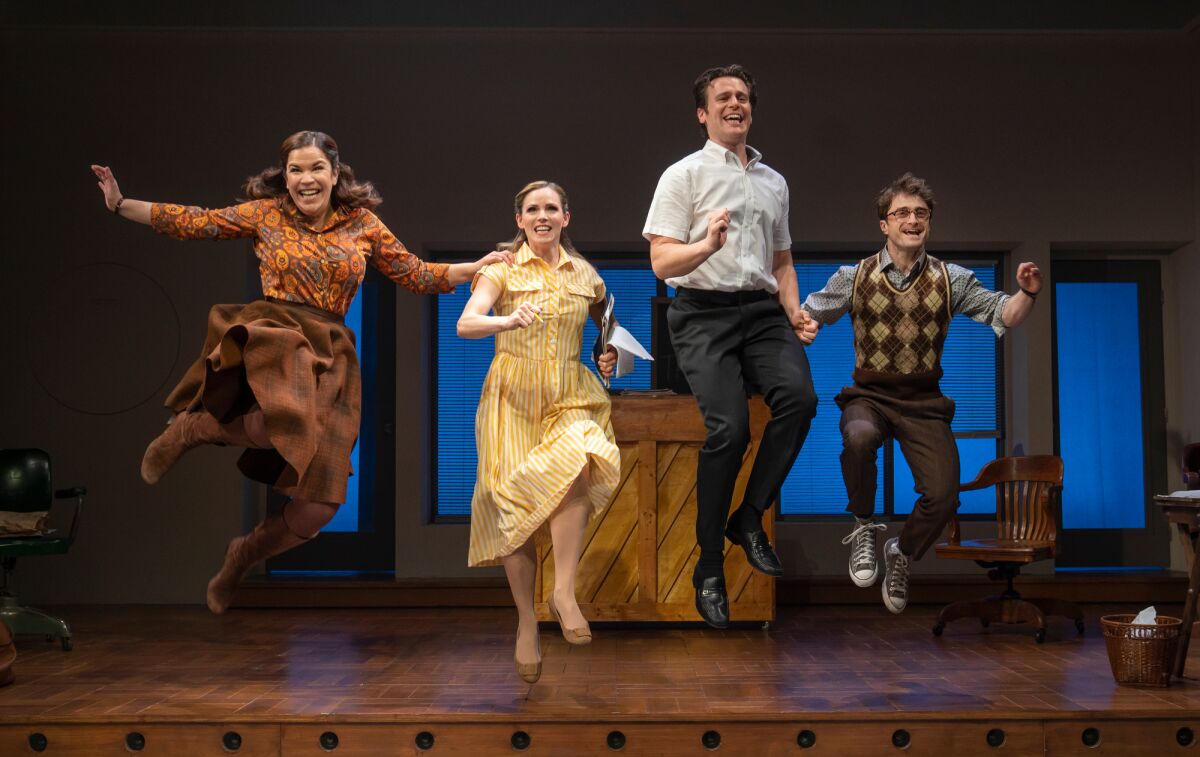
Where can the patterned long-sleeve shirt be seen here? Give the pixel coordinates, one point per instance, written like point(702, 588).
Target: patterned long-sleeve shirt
point(967, 295)
point(299, 262)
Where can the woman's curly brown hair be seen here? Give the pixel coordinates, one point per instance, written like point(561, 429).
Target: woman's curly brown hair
point(349, 192)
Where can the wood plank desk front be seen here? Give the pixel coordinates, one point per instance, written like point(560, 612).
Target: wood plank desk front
point(639, 554)
point(1184, 512)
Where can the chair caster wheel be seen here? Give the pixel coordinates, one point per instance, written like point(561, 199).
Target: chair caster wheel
point(937, 629)
point(1040, 635)
point(67, 644)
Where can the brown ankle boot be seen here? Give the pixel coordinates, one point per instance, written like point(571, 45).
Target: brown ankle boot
point(8, 654)
point(187, 430)
point(269, 538)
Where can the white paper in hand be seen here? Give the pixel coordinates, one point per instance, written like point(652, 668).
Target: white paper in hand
point(627, 349)
point(615, 336)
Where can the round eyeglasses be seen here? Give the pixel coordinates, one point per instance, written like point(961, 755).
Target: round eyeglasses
point(903, 214)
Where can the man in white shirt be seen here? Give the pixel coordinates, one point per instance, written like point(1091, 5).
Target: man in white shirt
point(718, 233)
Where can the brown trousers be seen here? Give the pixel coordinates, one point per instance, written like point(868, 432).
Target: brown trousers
point(922, 428)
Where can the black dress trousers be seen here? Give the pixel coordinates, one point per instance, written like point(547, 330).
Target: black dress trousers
point(729, 343)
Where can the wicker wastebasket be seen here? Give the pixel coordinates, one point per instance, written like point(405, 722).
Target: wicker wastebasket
point(1141, 655)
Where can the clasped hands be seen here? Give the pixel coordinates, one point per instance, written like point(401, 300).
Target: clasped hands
point(804, 325)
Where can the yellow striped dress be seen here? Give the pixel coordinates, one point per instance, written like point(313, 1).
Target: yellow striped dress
point(543, 415)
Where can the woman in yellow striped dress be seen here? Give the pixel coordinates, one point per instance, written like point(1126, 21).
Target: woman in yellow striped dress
point(547, 458)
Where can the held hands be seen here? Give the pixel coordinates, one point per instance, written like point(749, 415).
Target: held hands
point(607, 363)
point(718, 230)
point(495, 256)
point(108, 185)
point(1029, 278)
point(525, 314)
point(805, 326)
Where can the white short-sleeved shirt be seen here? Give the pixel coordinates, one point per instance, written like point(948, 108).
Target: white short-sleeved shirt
point(757, 198)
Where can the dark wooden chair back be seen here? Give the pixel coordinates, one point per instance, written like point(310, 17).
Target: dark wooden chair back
point(24, 480)
point(1191, 465)
point(1027, 492)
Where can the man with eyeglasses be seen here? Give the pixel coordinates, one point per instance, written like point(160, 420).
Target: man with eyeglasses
point(901, 301)
point(718, 233)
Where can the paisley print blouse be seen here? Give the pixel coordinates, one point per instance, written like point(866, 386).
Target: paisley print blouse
point(299, 262)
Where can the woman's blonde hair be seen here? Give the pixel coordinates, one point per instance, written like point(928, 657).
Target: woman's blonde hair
point(518, 205)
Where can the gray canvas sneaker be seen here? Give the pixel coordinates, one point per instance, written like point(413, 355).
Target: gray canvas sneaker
point(864, 567)
point(895, 580)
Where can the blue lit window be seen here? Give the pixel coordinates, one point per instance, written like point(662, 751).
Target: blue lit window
point(347, 515)
point(1100, 405)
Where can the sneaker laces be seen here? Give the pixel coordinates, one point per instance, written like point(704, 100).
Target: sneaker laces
point(863, 537)
point(897, 577)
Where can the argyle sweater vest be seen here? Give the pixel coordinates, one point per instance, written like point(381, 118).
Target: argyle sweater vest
point(899, 335)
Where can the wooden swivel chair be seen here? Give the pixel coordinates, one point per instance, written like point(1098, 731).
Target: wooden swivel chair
point(1027, 499)
point(25, 498)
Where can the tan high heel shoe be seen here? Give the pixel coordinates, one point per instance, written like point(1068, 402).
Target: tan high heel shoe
point(530, 672)
point(576, 636)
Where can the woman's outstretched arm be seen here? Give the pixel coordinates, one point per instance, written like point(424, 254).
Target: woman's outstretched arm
point(460, 273)
point(134, 210)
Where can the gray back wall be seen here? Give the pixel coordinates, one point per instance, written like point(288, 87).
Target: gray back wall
point(1033, 142)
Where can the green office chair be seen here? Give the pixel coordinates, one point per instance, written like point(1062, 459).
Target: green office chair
point(25, 499)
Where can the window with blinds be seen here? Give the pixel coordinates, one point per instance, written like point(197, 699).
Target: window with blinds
point(814, 488)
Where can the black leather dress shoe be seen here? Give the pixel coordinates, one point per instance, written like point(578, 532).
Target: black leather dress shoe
point(712, 602)
point(758, 550)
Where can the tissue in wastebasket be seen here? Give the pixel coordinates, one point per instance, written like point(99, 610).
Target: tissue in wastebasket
point(1146, 617)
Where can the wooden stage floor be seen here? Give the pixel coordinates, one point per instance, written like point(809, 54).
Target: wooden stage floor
point(380, 679)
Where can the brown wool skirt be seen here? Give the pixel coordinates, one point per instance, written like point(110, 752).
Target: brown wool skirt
point(299, 365)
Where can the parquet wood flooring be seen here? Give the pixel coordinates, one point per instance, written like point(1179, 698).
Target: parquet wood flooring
point(854, 675)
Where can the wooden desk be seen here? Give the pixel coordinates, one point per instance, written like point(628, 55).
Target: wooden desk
point(639, 554)
point(1185, 514)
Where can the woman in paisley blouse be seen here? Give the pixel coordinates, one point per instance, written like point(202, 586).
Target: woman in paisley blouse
point(279, 376)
